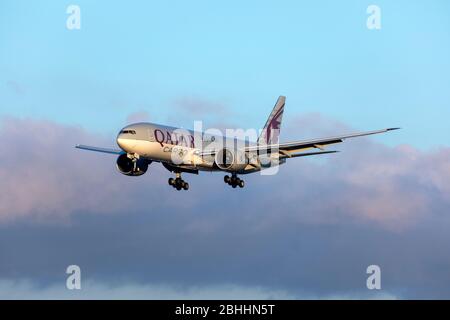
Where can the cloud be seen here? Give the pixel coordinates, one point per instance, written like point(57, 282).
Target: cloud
point(139, 116)
point(392, 186)
point(213, 114)
point(309, 231)
point(26, 289)
point(45, 176)
point(200, 107)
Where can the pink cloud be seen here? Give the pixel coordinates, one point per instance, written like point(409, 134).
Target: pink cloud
point(139, 116)
point(44, 177)
point(199, 107)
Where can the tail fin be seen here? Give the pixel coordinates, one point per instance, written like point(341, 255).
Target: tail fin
point(271, 131)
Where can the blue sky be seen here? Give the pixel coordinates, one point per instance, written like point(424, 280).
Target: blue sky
point(141, 56)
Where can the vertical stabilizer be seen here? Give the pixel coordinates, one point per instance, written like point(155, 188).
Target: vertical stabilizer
point(271, 131)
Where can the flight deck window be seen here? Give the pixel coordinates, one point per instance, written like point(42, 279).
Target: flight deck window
point(129, 131)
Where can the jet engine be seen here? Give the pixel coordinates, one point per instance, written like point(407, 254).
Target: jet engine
point(127, 167)
point(231, 160)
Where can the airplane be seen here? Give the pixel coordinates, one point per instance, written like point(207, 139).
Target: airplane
point(188, 151)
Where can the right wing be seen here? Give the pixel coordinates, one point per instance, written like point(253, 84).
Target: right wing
point(290, 148)
point(98, 149)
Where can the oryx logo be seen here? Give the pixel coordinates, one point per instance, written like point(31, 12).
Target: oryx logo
point(271, 130)
point(274, 125)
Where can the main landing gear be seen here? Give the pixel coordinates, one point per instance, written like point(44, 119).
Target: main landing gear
point(178, 183)
point(234, 181)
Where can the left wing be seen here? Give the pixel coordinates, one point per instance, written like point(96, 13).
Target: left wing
point(290, 148)
point(98, 149)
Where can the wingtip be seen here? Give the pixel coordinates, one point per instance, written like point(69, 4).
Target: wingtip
point(391, 129)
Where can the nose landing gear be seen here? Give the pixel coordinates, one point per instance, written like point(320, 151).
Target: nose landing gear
point(178, 183)
point(234, 181)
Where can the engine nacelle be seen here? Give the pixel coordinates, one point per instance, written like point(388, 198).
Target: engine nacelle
point(126, 166)
point(231, 160)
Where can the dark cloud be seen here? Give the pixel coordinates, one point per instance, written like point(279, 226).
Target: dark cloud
point(309, 231)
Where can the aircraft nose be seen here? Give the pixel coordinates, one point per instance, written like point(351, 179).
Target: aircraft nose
point(125, 143)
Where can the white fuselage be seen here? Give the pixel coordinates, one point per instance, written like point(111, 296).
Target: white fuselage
point(178, 146)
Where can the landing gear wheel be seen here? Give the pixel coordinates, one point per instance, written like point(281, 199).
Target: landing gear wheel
point(234, 181)
point(178, 183)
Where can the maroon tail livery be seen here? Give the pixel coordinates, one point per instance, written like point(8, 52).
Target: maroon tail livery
point(271, 131)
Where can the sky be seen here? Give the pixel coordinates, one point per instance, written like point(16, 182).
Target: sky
point(308, 232)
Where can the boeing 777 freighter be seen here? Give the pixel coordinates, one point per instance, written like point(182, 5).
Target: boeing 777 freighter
point(188, 151)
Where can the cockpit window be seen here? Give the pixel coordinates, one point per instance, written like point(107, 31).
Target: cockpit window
point(128, 131)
